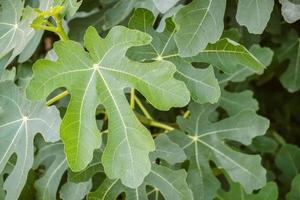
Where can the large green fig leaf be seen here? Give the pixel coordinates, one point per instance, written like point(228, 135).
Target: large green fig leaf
point(100, 77)
point(199, 23)
point(205, 141)
point(201, 82)
point(20, 121)
point(254, 14)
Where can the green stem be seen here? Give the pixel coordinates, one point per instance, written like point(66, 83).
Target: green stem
point(143, 109)
point(57, 97)
point(151, 122)
point(60, 29)
point(132, 96)
point(48, 28)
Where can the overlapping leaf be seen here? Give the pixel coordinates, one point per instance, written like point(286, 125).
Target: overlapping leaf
point(206, 141)
point(199, 23)
point(290, 50)
point(52, 157)
point(268, 192)
point(170, 183)
point(20, 121)
point(201, 82)
point(15, 30)
point(288, 161)
point(254, 14)
point(75, 191)
point(100, 77)
point(229, 57)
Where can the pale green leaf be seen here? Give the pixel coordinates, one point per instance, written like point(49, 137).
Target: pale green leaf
point(229, 57)
point(254, 14)
point(75, 191)
point(201, 82)
point(71, 6)
point(19, 123)
point(15, 30)
point(199, 23)
point(8, 75)
point(100, 77)
point(290, 11)
point(207, 140)
point(294, 193)
point(52, 157)
point(164, 5)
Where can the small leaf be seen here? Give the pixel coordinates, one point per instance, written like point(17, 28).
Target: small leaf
point(254, 14)
point(199, 23)
point(20, 121)
point(75, 191)
point(290, 11)
point(167, 150)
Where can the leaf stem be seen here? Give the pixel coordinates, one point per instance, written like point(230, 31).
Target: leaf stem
point(151, 122)
point(57, 97)
point(48, 28)
point(143, 109)
point(60, 29)
point(47, 25)
point(132, 97)
point(186, 114)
